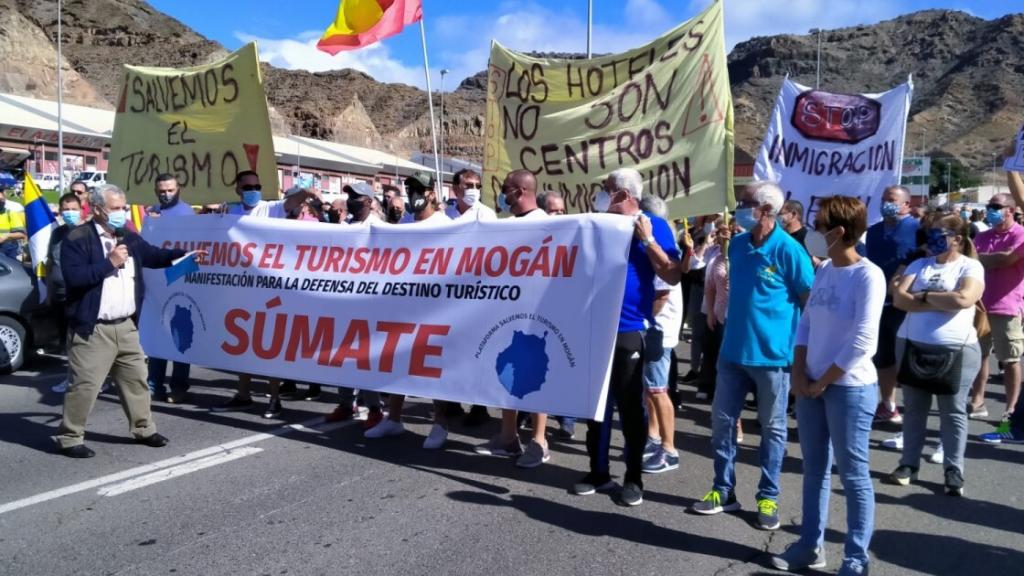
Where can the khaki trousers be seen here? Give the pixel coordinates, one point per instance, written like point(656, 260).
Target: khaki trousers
point(111, 349)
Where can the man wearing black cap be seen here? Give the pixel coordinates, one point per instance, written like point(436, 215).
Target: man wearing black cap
point(423, 211)
point(360, 206)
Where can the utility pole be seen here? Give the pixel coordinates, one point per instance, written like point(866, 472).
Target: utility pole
point(817, 82)
point(60, 98)
point(444, 72)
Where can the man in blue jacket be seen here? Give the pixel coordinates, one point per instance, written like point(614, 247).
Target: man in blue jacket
point(102, 267)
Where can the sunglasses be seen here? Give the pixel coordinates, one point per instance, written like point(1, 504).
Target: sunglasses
point(251, 187)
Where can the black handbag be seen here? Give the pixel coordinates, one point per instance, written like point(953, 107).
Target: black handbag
point(932, 368)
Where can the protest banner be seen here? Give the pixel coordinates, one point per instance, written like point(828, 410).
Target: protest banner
point(664, 109)
point(517, 314)
point(1015, 163)
point(821, 144)
point(201, 124)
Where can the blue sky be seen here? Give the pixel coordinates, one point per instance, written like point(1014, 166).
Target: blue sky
point(459, 31)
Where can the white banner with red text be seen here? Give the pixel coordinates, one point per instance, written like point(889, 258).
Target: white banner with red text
point(515, 314)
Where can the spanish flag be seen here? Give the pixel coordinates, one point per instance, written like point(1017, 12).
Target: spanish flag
point(360, 23)
point(39, 223)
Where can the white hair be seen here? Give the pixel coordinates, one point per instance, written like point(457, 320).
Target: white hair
point(768, 192)
point(629, 180)
point(98, 195)
point(655, 205)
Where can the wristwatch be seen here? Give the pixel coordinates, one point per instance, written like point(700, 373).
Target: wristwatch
point(648, 241)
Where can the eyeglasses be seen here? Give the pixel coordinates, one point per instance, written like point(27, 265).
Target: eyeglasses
point(251, 187)
point(994, 206)
point(471, 186)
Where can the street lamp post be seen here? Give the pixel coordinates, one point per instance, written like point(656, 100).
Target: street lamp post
point(817, 82)
point(444, 72)
point(60, 99)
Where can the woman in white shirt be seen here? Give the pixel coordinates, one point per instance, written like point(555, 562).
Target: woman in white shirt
point(939, 293)
point(836, 385)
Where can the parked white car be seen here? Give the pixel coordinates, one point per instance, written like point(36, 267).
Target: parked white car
point(93, 179)
point(46, 181)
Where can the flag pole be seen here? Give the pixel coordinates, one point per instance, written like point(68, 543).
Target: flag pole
point(60, 101)
point(590, 24)
point(439, 184)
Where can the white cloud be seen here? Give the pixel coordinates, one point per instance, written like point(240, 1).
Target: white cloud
point(461, 43)
point(301, 53)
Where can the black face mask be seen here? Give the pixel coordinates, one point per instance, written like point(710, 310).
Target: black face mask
point(355, 206)
point(168, 200)
point(417, 202)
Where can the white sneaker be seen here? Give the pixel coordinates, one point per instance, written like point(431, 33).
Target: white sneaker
point(435, 440)
point(60, 388)
point(938, 456)
point(387, 427)
point(894, 443)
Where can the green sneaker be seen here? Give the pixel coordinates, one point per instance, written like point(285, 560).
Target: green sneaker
point(767, 514)
point(712, 504)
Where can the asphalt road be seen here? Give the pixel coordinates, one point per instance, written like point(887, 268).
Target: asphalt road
point(236, 494)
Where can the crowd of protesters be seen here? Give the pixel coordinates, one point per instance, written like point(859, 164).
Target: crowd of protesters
point(923, 302)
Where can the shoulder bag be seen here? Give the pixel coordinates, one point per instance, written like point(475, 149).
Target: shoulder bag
point(933, 368)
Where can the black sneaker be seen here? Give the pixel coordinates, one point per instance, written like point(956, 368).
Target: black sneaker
point(591, 484)
point(273, 409)
point(314, 392)
point(288, 388)
point(454, 410)
point(690, 377)
point(903, 475)
point(632, 494)
point(236, 403)
point(477, 416)
point(954, 482)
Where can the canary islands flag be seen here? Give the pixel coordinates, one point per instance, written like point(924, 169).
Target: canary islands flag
point(39, 223)
point(360, 23)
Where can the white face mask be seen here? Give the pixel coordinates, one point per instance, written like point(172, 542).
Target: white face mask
point(602, 201)
point(817, 244)
point(471, 196)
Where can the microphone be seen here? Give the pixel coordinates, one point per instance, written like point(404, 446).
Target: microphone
point(119, 236)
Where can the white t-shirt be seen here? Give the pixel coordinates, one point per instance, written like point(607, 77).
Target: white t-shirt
point(437, 217)
point(533, 214)
point(941, 327)
point(670, 319)
point(265, 209)
point(839, 324)
point(478, 211)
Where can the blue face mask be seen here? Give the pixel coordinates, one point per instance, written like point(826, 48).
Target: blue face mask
point(71, 217)
point(745, 218)
point(503, 204)
point(890, 210)
point(938, 243)
point(994, 217)
point(252, 197)
point(117, 219)
point(965, 215)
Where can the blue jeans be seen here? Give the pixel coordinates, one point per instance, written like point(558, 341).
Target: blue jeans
point(733, 383)
point(839, 422)
point(657, 360)
point(158, 373)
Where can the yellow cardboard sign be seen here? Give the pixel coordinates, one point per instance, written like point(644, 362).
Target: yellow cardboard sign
point(203, 125)
point(664, 109)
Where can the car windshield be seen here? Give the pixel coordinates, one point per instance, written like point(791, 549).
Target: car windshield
point(86, 175)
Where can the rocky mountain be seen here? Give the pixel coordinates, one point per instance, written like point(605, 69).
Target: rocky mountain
point(968, 76)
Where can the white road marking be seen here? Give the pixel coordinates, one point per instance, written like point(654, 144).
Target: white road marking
point(174, 472)
point(220, 450)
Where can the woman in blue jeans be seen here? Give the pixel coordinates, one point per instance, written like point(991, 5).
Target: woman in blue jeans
point(837, 386)
point(939, 294)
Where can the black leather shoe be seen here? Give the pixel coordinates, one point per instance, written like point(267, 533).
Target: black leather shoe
point(153, 441)
point(78, 451)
